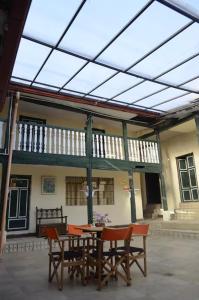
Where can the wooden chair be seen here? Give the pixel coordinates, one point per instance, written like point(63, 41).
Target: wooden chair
point(139, 253)
point(109, 261)
point(70, 256)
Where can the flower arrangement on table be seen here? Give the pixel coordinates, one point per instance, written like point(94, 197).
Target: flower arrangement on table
point(100, 219)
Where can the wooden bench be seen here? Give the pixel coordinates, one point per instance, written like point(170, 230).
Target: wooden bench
point(51, 217)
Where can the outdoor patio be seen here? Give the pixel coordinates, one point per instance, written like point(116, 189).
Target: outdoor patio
point(172, 274)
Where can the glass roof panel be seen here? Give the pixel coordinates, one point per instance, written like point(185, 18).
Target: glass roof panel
point(193, 85)
point(59, 68)
point(97, 23)
point(117, 84)
point(51, 15)
point(177, 102)
point(30, 57)
point(45, 87)
point(160, 97)
point(178, 49)
point(140, 91)
point(91, 76)
point(183, 73)
point(148, 31)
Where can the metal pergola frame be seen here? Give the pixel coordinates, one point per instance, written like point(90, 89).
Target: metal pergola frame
point(133, 104)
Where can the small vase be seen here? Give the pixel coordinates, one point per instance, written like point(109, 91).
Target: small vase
point(100, 224)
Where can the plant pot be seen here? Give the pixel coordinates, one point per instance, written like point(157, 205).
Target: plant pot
point(99, 224)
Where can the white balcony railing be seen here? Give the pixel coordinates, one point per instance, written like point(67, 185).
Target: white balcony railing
point(56, 140)
point(143, 151)
point(46, 139)
point(106, 146)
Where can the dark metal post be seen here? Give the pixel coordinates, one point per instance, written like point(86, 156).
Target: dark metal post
point(89, 169)
point(130, 174)
point(132, 196)
point(161, 177)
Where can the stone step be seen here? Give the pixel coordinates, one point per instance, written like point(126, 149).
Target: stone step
point(189, 205)
point(187, 214)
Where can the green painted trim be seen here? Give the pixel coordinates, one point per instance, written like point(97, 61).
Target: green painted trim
point(22, 157)
point(89, 144)
point(161, 177)
point(132, 197)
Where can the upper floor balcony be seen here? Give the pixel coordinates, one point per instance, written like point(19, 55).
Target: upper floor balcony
point(46, 139)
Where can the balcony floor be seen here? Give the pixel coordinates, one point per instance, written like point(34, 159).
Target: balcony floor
point(172, 274)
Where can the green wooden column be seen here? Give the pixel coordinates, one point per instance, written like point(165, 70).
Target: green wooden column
point(130, 174)
point(161, 177)
point(89, 168)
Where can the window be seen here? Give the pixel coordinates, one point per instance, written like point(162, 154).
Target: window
point(76, 188)
point(187, 178)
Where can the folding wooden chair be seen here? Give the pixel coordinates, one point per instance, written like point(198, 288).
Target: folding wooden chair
point(139, 253)
point(111, 263)
point(70, 256)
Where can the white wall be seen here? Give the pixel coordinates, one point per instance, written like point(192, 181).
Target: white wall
point(119, 212)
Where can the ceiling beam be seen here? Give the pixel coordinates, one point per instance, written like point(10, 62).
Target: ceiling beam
point(91, 102)
point(15, 19)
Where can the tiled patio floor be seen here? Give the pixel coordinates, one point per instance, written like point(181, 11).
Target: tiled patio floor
point(172, 274)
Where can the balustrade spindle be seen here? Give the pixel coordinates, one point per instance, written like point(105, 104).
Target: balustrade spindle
point(81, 144)
point(94, 148)
point(113, 147)
point(25, 137)
point(101, 146)
point(144, 151)
point(20, 137)
point(77, 142)
point(109, 147)
point(68, 145)
point(139, 153)
point(97, 142)
point(64, 140)
point(157, 153)
point(148, 152)
point(84, 143)
point(45, 139)
point(30, 139)
point(105, 147)
point(121, 148)
point(73, 143)
point(35, 138)
point(50, 140)
point(55, 140)
point(117, 148)
point(59, 141)
point(40, 138)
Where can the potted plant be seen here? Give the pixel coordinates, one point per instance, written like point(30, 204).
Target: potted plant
point(100, 219)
